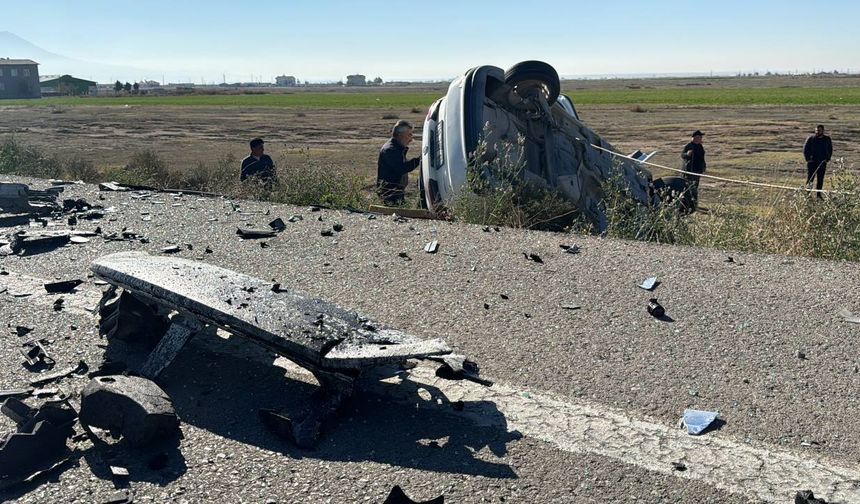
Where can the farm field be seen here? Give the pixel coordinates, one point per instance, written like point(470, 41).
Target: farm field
point(755, 127)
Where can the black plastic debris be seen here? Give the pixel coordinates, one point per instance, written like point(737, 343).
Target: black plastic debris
point(17, 411)
point(38, 444)
point(59, 304)
point(170, 249)
point(649, 283)
point(730, 259)
point(14, 219)
point(570, 306)
point(655, 308)
point(533, 257)
point(295, 218)
point(62, 287)
point(398, 496)
point(431, 247)
point(277, 423)
point(40, 242)
point(679, 466)
point(76, 205)
point(278, 224)
point(504, 296)
point(276, 288)
point(314, 209)
point(337, 226)
point(326, 232)
point(570, 249)
point(133, 406)
point(23, 330)
point(264, 244)
point(807, 497)
point(80, 369)
point(36, 355)
point(404, 256)
point(251, 234)
point(458, 367)
point(301, 428)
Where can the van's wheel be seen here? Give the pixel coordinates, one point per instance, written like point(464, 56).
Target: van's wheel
point(529, 76)
point(128, 318)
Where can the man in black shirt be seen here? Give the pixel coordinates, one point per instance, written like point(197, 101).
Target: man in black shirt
point(817, 151)
point(694, 161)
point(258, 164)
point(392, 167)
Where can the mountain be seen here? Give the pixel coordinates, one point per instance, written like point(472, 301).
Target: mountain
point(15, 47)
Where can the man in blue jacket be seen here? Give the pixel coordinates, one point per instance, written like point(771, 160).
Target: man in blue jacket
point(392, 167)
point(817, 151)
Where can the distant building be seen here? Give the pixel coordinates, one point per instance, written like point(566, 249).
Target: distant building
point(356, 80)
point(285, 80)
point(66, 85)
point(19, 78)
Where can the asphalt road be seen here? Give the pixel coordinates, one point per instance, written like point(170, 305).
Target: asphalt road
point(757, 339)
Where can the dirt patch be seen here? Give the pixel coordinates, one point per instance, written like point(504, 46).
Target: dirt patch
point(762, 142)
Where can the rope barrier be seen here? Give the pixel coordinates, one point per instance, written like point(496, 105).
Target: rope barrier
point(724, 179)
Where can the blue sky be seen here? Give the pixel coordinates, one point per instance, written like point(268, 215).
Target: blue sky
point(327, 39)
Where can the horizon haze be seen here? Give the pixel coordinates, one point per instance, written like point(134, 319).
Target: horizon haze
point(216, 42)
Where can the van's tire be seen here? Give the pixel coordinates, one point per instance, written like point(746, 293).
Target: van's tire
point(526, 76)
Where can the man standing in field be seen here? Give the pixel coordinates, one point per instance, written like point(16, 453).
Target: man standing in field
point(392, 167)
point(817, 151)
point(694, 162)
point(258, 164)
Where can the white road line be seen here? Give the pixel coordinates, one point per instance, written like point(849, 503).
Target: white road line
point(768, 473)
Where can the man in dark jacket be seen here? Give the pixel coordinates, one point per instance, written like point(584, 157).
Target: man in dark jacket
point(258, 164)
point(392, 167)
point(694, 161)
point(817, 151)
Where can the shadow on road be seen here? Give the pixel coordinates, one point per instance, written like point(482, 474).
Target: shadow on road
point(219, 385)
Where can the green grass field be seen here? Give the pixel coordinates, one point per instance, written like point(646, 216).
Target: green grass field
point(399, 99)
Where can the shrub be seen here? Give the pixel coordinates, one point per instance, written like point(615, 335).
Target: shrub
point(81, 169)
point(145, 168)
point(220, 177)
point(18, 159)
point(629, 219)
point(794, 223)
point(311, 182)
point(497, 194)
